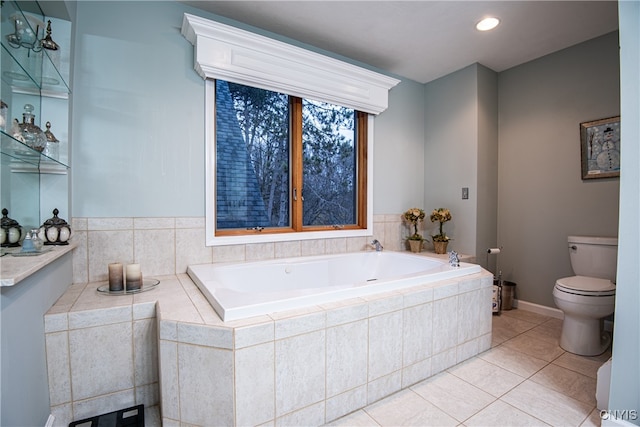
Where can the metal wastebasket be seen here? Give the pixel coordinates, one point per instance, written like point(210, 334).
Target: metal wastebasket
point(508, 293)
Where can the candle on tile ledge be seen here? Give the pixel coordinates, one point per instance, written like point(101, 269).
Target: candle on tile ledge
point(116, 277)
point(134, 277)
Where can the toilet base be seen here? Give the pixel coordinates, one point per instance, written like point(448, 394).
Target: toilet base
point(584, 336)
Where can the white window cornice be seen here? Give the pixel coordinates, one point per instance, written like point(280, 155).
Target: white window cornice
point(228, 53)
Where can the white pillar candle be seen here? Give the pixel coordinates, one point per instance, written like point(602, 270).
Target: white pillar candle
point(133, 272)
point(134, 276)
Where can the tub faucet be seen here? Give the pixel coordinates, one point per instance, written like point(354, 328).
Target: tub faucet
point(376, 244)
point(454, 260)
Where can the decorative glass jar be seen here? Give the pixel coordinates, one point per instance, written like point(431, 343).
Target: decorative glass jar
point(10, 231)
point(31, 134)
point(52, 147)
point(55, 231)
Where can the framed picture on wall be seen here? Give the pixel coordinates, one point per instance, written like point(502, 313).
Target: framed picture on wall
point(600, 148)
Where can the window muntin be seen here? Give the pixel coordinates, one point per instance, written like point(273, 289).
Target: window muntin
point(284, 164)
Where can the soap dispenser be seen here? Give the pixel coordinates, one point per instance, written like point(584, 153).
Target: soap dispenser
point(27, 244)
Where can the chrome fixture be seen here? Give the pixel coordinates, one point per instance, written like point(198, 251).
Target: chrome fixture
point(454, 260)
point(377, 245)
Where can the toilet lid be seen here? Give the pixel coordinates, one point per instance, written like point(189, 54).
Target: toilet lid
point(586, 285)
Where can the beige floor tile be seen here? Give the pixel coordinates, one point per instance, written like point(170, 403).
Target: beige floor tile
point(502, 414)
point(534, 347)
point(548, 331)
point(512, 323)
point(548, 405)
point(454, 396)
point(585, 365)
point(357, 419)
point(406, 408)
point(504, 328)
point(514, 361)
point(486, 376)
point(528, 316)
point(567, 382)
point(501, 334)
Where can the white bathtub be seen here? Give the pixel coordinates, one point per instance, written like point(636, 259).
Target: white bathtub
point(247, 289)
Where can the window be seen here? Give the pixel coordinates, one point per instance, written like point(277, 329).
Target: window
point(226, 53)
point(285, 164)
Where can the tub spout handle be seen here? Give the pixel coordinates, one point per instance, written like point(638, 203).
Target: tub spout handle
point(377, 245)
point(454, 260)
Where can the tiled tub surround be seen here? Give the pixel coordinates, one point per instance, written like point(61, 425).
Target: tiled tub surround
point(168, 245)
point(308, 367)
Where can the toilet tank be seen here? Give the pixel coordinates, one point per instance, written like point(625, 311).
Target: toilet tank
point(593, 256)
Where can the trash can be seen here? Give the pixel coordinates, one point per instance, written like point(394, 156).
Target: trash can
point(508, 293)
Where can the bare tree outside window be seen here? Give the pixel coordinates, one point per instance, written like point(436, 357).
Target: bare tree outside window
point(328, 164)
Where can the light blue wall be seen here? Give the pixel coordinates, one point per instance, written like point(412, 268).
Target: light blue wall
point(138, 119)
point(451, 152)
point(138, 110)
point(461, 150)
point(398, 182)
point(625, 374)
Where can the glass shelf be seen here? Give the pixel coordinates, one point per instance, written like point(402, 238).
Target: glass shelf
point(24, 70)
point(26, 158)
point(34, 182)
point(147, 285)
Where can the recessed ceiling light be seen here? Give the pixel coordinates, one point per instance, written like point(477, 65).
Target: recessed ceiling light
point(487, 24)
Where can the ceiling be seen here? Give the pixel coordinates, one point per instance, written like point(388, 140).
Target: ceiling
point(425, 40)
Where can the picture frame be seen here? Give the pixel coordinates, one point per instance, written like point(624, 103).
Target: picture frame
point(600, 148)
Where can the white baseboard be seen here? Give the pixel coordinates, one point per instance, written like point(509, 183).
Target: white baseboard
point(50, 421)
point(551, 312)
point(540, 309)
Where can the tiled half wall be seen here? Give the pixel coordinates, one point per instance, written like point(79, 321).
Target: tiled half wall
point(302, 367)
point(168, 245)
point(320, 365)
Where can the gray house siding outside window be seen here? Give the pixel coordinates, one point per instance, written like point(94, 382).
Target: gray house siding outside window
point(239, 203)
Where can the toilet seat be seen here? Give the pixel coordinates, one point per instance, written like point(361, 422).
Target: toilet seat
point(586, 286)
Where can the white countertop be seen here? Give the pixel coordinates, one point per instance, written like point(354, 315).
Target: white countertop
point(13, 269)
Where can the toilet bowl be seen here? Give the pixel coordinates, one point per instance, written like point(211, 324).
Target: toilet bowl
point(587, 298)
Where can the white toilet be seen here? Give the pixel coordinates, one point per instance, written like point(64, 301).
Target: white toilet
point(587, 298)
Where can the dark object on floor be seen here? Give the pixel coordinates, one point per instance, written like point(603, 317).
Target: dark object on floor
point(130, 417)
